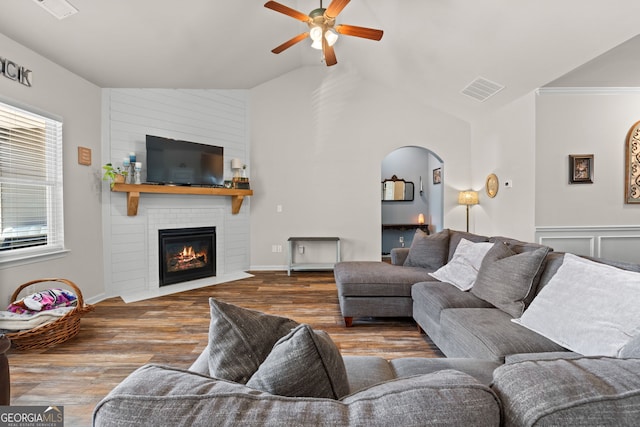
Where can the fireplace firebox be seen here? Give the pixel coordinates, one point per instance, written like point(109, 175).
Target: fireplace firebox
point(186, 254)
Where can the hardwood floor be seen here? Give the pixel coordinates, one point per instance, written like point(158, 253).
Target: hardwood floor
point(117, 338)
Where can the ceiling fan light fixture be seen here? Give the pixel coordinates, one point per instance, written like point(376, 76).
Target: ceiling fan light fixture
point(316, 33)
point(331, 36)
point(317, 44)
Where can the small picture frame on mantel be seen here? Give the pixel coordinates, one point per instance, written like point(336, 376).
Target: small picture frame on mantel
point(580, 168)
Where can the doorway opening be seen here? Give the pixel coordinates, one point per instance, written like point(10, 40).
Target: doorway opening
point(423, 170)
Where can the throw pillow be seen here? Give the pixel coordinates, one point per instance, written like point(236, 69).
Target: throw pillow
point(463, 268)
point(428, 251)
point(587, 307)
point(506, 278)
point(455, 236)
point(241, 339)
point(303, 363)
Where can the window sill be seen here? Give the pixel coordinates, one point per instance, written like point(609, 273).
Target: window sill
point(16, 260)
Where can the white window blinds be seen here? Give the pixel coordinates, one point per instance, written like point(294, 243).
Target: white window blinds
point(31, 215)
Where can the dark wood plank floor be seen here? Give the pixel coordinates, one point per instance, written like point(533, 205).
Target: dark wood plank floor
point(117, 338)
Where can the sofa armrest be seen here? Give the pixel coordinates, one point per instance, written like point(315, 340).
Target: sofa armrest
point(584, 391)
point(399, 255)
point(5, 383)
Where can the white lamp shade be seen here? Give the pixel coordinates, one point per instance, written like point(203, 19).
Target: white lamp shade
point(331, 36)
point(315, 33)
point(236, 164)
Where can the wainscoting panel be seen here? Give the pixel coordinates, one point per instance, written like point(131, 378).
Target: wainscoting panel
point(618, 243)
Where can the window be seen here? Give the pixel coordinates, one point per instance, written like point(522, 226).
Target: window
point(31, 221)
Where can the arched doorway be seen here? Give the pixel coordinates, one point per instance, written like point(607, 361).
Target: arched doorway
point(400, 216)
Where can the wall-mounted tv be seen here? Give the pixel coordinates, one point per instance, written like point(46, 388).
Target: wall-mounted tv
point(174, 162)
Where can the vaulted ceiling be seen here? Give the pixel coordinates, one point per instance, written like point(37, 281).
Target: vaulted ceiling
point(430, 51)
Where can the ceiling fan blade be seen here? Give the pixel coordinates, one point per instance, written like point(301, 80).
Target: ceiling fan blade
point(289, 43)
point(329, 53)
point(365, 33)
point(335, 8)
point(287, 11)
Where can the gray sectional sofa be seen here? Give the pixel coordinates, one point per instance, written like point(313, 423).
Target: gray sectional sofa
point(262, 370)
point(476, 323)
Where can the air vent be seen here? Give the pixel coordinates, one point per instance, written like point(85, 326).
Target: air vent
point(58, 8)
point(482, 89)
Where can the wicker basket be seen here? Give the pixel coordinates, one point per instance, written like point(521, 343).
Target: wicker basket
point(55, 332)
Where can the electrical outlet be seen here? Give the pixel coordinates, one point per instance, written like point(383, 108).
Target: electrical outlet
point(301, 249)
point(279, 208)
point(401, 239)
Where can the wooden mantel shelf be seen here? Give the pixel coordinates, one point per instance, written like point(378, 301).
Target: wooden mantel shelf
point(133, 194)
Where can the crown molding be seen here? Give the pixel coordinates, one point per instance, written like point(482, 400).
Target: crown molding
point(587, 90)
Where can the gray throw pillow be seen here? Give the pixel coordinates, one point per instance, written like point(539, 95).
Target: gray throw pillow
point(506, 278)
point(304, 363)
point(428, 251)
point(241, 339)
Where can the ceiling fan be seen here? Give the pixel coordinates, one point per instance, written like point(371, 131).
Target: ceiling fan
point(323, 30)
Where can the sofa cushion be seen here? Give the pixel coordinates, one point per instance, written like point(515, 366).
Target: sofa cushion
point(303, 363)
point(428, 251)
point(376, 278)
point(156, 395)
point(487, 333)
point(506, 278)
point(433, 297)
point(570, 392)
point(366, 371)
point(461, 270)
point(598, 313)
point(455, 237)
point(241, 339)
point(481, 370)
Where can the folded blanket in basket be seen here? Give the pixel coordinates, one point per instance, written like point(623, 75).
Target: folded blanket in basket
point(43, 300)
point(20, 322)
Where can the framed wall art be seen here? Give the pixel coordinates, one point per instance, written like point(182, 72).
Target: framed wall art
point(632, 165)
point(492, 185)
point(437, 176)
point(580, 168)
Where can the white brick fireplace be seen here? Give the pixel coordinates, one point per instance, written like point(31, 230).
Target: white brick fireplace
point(215, 117)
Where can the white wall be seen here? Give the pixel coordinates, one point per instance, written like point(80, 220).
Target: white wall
point(583, 122)
point(504, 143)
point(318, 137)
point(63, 94)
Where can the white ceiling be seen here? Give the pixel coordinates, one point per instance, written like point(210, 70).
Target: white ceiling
point(430, 51)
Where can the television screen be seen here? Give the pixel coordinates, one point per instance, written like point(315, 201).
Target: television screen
point(171, 161)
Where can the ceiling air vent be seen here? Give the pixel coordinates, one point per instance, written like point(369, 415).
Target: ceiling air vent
point(482, 89)
point(58, 8)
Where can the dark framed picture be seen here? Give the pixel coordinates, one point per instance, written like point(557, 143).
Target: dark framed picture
point(580, 168)
point(437, 176)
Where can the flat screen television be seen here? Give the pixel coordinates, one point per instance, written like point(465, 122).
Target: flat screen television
point(174, 162)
